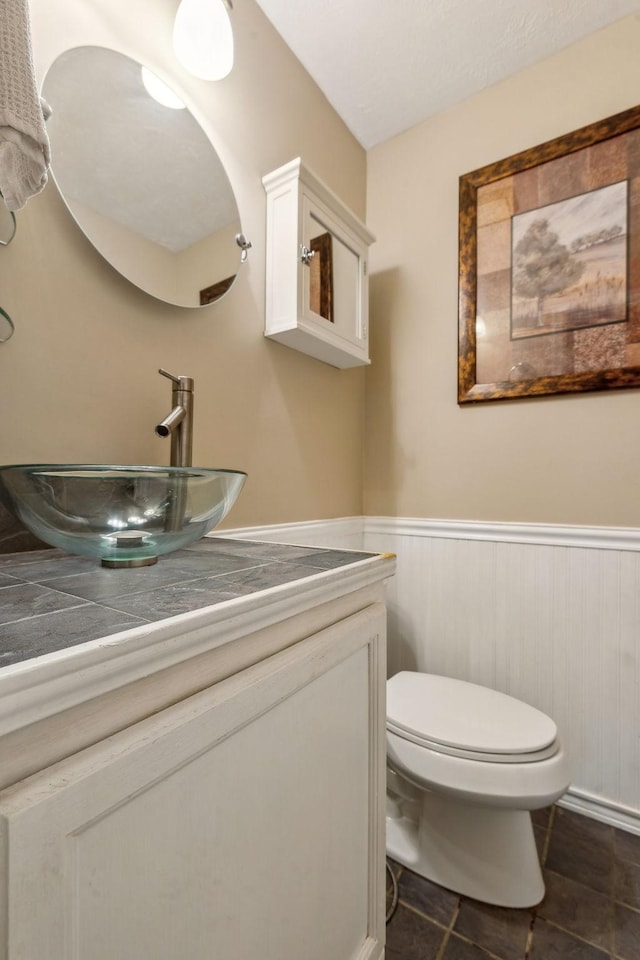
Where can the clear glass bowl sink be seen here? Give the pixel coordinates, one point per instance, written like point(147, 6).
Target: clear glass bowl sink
point(125, 516)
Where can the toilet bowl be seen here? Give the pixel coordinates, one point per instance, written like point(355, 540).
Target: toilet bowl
point(466, 765)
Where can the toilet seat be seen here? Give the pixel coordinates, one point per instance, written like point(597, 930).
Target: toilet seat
point(464, 720)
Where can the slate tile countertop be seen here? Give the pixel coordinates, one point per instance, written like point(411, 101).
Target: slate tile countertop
point(50, 600)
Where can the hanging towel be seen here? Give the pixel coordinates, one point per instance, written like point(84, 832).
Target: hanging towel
point(24, 144)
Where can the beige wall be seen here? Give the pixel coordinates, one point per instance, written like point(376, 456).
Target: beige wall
point(155, 267)
point(215, 258)
point(570, 459)
point(79, 381)
point(177, 277)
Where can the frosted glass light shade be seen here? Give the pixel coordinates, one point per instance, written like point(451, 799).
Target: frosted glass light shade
point(203, 38)
point(158, 89)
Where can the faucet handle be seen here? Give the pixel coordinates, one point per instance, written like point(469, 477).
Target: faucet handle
point(185, 383)
point(169, 376)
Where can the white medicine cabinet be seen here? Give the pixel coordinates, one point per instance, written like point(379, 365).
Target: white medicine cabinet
point(317, 282)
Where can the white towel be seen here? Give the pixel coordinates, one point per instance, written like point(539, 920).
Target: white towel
point(24, 144)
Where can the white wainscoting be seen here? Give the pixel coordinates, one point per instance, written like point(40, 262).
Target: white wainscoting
point(344, 533)
point(549, 614)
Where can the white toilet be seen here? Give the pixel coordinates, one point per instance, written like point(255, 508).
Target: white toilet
point(466, 764)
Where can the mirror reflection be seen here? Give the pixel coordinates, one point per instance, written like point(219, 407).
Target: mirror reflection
point(141, 178)
point(334, 276)
point(321, 279)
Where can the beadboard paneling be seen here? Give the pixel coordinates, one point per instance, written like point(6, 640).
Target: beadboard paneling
point(554, 624)
point(549, 614)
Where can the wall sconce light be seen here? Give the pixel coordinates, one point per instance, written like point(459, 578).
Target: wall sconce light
point(158, 89)
point(203, 38)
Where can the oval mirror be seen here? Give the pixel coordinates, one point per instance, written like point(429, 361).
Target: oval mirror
point(141, 178)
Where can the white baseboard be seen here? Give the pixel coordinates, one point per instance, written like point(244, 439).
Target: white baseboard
point(623, 818)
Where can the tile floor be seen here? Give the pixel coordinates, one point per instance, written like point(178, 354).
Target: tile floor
point(591, 910)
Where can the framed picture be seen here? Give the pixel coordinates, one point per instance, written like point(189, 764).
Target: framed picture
point(215, 291)
point(549, 267)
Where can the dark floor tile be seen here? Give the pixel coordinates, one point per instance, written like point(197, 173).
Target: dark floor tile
point(627, 885)
point(626, 845)
point(540, 836)
point(434, 901)
point(581, 849)
point(458, 949)
point(578, 909)
point(549, 943)
point(412, 937)
point(500, 930)
point(579, 826)
point(575, 921)
point(627, 933)
point(540, 818)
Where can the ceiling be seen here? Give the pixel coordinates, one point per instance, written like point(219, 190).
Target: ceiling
point(385, 66)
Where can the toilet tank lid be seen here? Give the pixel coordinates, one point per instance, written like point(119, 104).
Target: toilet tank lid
point(465, 715)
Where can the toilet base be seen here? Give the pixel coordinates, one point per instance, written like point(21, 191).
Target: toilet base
point(479, 851)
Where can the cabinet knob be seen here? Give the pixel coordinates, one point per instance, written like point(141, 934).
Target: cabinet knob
point(306, 255)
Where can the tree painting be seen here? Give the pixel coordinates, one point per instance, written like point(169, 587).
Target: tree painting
point(543, 266)
point(568, 263)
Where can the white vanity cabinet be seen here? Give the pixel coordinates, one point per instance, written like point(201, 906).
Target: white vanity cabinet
point(317, 284)
point(243, 821)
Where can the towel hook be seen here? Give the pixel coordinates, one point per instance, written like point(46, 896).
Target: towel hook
point(6, 323)
point(6, 326)
point(13, 228)
point(244, 244)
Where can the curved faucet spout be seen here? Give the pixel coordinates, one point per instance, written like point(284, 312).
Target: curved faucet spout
point(173, 420)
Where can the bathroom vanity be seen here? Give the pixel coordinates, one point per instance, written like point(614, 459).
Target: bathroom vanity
point(204, 775)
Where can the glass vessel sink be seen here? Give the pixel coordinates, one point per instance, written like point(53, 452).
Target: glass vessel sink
point(125, 516)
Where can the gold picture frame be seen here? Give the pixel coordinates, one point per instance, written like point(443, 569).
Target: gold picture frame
point(549, 267)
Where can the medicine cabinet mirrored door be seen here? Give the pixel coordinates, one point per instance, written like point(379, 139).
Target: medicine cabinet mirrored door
point(317, 281)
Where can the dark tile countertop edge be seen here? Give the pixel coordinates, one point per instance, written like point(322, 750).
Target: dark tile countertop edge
point(51, 601)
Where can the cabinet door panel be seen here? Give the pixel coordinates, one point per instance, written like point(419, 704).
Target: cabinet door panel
point(243, 823)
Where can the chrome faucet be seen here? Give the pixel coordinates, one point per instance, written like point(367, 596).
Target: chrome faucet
point(179, 423)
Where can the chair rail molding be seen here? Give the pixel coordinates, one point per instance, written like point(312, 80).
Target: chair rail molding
point(557, 535)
